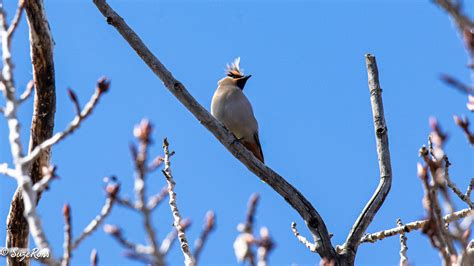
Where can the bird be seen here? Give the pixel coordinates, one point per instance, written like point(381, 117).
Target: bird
point(232, 108)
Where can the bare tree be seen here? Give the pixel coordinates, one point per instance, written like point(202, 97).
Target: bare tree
point(34, 172)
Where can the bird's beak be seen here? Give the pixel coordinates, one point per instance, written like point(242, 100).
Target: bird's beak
point(241, 81)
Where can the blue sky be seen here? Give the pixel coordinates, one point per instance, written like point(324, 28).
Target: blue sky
point(310, 96)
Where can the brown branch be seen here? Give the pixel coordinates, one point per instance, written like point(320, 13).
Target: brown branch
point(463, 123)
point(309, 214)
point(416, 225)
point(112, 191)
point(456, 13)
point(42, 124)
point(456, 84)
point(67, 236)
point(383, 154)
point(209, 224)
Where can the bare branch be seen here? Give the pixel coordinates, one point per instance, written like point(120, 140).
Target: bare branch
point(171, 237)
point(94, 258)
point(463, 123)
point(309, 214)
point(209, 224)
point(383, 154)
point(469, 189)
point(143, 133)
point(456, 190)
point(112, 191)
point(22, 216)
point(416, 225)
point(458, 85)
point(49, 174)
point(403, 246)
point(16, 20)
point(29, 89)
point(102, 86)
point(126, 202)
point(67, 236)
point(188, 257)
point(157, 199)
point(4, 170)
point(75, 101)
point(312, 247)
point(455, 12)
point(265, 246)
point(116, 232)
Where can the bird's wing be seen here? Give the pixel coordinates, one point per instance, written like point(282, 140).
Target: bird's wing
point(259, 147)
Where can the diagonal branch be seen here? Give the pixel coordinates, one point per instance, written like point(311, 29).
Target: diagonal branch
point(309, 214)
point(383, 154)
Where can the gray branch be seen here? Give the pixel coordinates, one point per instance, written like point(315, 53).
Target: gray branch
point(383, 154)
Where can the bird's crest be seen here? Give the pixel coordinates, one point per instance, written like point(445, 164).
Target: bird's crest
point(233, 70)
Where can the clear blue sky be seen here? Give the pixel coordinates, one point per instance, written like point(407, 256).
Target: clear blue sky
point(309, 92)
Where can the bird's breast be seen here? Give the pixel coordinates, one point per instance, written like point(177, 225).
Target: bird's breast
point(232, 108)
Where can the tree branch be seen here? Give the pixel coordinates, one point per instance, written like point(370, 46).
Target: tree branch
point(416, 225)
point(383, 154)
point(309, 214)
point(42, 124)
point(188, 257)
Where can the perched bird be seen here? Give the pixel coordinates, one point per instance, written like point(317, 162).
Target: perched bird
point(232, 108)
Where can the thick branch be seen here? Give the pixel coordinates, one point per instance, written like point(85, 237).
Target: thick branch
point(41, 46)
point(383, 154)
point(309, 214)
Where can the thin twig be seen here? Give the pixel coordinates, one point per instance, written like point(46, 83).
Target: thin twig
point(116, 232)
point(94, 257)
point(4, 170)
point(188, 257)
point(67, 236)
point(209, 224)
point(102, 86)
point(143, 133)
point(312, 247)
point(153, 201)
point(16, 20)
point(49, 174)
point(416, 225)
point(171, 237)
point(112, 190)
point(27, 93)
point(403, 246)
point(265, 246)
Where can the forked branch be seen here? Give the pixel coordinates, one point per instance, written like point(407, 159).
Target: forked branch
point(383, 154)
